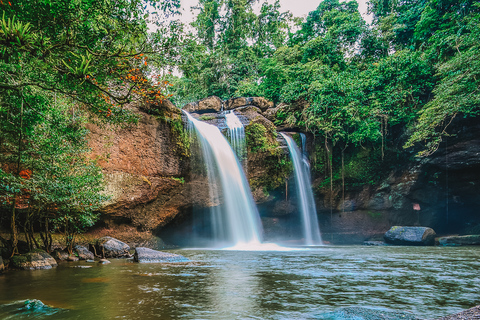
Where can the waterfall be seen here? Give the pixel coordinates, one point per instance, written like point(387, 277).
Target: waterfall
point(236, 134)
point(235, 219)
point(306, 203)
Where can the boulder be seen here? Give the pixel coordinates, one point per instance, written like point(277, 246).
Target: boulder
point(146, 255)
point(83, 253)
point(234, 103)
point(210, 104)
point(1, 265)
point(72, 258)
point(410, 236)
point(469, 240)
point(109, 247)
point(33, 261)
point(261, 103)
point(60, 254)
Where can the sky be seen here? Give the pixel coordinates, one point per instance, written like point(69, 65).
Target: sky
point(299, 8)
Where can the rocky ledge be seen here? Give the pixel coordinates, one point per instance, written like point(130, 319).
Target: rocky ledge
point(410, 236)
point(146, 255)
point(469, 240)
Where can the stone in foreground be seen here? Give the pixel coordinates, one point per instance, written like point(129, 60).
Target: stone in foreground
point(34, 261)
point(469, 240)
point(410, 236)
point(360, 313)
point(109, 247)
point(146, 255)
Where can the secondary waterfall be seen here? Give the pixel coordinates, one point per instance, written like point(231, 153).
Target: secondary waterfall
point(235, 220)
point(306, 202)
point(236, 134)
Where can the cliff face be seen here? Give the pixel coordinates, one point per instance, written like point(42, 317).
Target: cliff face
point(142, 165)
point(148, 171)
point(441, 191)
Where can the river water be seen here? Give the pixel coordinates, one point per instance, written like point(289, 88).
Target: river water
point(304, 284)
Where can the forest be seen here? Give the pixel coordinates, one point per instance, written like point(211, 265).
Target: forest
point(350, 84)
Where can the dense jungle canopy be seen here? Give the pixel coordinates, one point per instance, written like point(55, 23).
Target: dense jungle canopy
point(351, 84)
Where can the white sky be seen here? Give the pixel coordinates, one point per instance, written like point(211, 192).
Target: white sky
point(299, 8)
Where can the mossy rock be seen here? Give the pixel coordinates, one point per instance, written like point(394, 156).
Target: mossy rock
point(35, 260)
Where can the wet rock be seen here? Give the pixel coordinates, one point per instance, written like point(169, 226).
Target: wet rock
point(109, 247)
point(472, 313)
point(60, 254)
point(410, 236)
point(146, 255)
point(72, 258)
point(374, 243)
point(468, 240)
point(2, 267)
point(34, 261)
point(210, 104)
point(103, 261)
point(83, 253)
point(360, 313)
point(23, 309)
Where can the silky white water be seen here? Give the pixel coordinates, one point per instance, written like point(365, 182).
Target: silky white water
point(305, 200)
point(236, 221)
point(236, 134)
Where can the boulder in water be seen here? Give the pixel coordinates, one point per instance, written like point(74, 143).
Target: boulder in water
point(109, 247)
point(83, 253)
point(468, 240)
point(60, 254)
point(360, 313)
point(146, 255)
point(33, 261)
point(410, 236)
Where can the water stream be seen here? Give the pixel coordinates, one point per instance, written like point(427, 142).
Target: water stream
point(236, 221)
point(305, 200)
point(236, 135)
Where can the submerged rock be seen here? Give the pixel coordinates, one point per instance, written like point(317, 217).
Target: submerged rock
point(34, 261)
point(360, 313)
point(146, 255)
point(468, 240)
point(410, 236)
point(27, 308)
point(109, 247)
point(83, 253)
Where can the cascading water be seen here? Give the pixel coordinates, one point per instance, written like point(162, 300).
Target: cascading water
point(235, 220)
point(306, 202)
point(236, 134)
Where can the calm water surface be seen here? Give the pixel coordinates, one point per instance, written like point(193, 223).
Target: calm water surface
point(426, 281)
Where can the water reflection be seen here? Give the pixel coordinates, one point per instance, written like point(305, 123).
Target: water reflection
point(428, 282)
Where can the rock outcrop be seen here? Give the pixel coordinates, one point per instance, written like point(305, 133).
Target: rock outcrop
point(468, 240)
point(210, 104)
point(146, 255)
point(109, 247)
point(410, 236)
point(33, 261)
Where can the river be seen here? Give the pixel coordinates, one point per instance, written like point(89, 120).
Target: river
point(303, 284)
